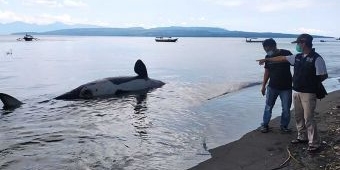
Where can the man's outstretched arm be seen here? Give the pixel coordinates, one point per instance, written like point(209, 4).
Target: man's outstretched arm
point(272, 59)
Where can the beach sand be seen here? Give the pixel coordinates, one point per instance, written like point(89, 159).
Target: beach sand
point(262, 151)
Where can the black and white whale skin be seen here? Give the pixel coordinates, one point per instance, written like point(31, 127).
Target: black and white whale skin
point(114, 86)
point(107, 87)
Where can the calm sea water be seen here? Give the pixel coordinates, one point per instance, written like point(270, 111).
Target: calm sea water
point(168, 128)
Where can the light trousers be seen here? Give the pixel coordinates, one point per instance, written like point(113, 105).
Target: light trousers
point(304, 106)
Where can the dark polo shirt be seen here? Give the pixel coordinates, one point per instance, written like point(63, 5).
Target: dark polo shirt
point(280, 76)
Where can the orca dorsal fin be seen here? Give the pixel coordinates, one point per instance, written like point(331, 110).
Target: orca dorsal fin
point(140, 69)
point(9, 101)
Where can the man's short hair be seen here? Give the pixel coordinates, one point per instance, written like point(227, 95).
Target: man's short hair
point(269, 43)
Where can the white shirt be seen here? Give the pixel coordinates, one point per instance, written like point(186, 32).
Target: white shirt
point(320, 65)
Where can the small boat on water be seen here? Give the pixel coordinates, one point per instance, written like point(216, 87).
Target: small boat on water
point(251, 40)
point(27, 37)
point(166, 39)
point(338, 38)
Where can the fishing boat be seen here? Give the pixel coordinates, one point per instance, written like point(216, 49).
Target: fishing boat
point(166, 39)
point(251, 40)
point(27, 37)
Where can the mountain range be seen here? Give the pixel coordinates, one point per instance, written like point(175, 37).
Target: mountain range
point(19, 28)
point(16, 27)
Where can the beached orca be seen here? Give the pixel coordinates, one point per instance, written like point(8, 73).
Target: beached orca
point(114, 86)
point(107, 87)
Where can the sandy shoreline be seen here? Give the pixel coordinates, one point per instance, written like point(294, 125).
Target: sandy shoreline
point(258, 151)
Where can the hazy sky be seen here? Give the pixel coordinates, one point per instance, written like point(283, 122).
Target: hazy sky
point(285, 16)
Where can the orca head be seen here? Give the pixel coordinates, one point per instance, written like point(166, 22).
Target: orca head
point(155, 83)
point(9, 101)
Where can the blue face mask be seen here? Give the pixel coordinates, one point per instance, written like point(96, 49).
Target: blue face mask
point(270, 53)
point(298, 48)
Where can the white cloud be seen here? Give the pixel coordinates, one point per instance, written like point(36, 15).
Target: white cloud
point(55, 3)
point(196, 19)
point(46, 3)
point(98, 23)
point(202, 19)
point(3, 2)
point(9, 16)
point(265, 5)
point(228, 3)
point(47, 18)
point(310, 30)
point(279, 5)
point(233, 3)
point(74, 3)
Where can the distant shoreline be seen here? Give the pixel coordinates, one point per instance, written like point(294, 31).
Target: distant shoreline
point(163, 32)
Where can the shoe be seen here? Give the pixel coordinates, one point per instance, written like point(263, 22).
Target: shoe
point(264, 129)
point(312, 148)
point(285, 130)
point(297, 141)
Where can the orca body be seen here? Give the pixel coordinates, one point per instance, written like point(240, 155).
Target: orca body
point(107, 87)
point(113, 86)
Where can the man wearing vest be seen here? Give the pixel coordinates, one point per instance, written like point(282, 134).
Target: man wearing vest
point(280, 84)
point(309, 71)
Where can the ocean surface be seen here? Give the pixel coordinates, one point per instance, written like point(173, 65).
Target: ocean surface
point(211, 97)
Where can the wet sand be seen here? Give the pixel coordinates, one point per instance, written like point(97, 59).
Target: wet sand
point(262, 151)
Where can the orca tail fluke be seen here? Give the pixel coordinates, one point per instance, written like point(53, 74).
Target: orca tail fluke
point(140, 69)
point(9, 101)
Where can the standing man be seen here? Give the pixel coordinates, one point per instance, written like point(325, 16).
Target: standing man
point(309, 71)
point(280, 84)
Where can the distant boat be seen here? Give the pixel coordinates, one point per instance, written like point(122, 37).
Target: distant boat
point(166, 39)
point(27, 37)
point(322, 41)
point(250, 40)
point(338, 38)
